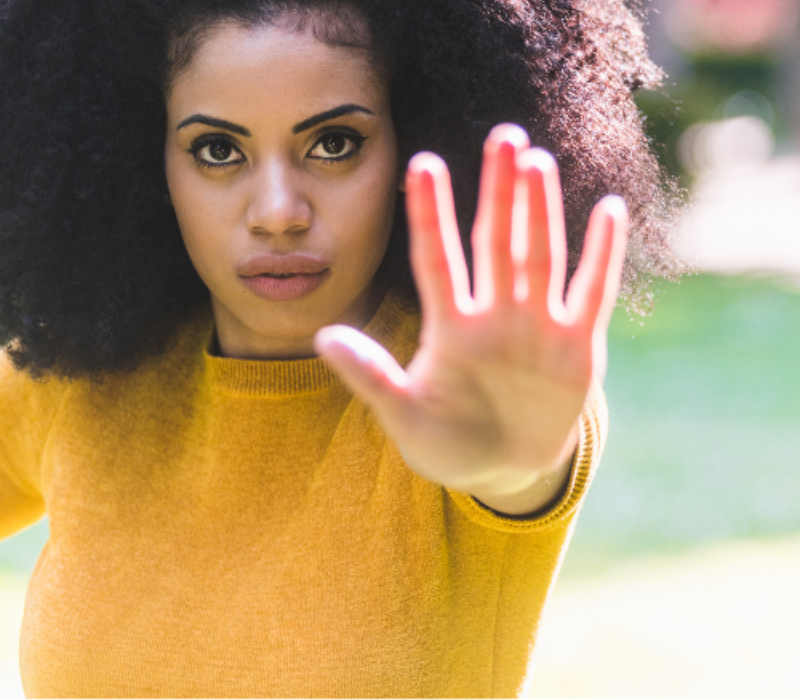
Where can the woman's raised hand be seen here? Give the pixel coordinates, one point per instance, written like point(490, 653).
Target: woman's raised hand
point(491, 402)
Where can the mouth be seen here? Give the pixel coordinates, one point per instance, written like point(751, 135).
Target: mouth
point(283, 277)
point(282, 266)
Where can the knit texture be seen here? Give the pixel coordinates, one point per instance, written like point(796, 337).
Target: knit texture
point(232, 528)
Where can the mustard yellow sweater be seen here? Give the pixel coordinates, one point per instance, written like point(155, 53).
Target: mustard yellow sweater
point(233, 528)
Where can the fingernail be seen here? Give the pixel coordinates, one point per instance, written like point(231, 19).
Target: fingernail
point(509, 133)
point(537, 158)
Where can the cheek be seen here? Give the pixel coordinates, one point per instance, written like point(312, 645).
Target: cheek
point(367, 225)
point(375, 204)
point(180, 194)
point(198, 211)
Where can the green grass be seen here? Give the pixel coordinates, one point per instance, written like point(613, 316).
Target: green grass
point(704, 443)
point(705, 427)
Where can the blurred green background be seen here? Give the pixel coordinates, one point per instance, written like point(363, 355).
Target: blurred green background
point(704, 443)
point(683, 573)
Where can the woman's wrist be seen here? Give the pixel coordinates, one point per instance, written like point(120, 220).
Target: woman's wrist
point(545, 489)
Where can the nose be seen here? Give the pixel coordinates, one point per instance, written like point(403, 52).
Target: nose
point(277, 204)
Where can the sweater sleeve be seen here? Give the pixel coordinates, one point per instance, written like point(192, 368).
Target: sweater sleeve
point(592, 436)
point(27, 409)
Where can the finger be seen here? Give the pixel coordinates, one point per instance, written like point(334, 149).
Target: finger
point(545, 259)
point(594, 288)
point(494, 269)
point(437, 257)
point(366, 367)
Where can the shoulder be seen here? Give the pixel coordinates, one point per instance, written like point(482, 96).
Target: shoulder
point(25, 397)
point(28, 408)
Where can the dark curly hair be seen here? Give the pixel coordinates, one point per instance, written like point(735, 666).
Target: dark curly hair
point(94, 276)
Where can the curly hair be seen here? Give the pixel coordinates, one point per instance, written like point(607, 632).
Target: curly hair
point(94, 276)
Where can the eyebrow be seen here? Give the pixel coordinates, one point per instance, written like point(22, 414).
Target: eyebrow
point(339, 111)
point(304, 125)
point(217, 123)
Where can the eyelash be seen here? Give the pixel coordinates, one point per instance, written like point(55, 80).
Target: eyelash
point(208, 140)
point(354, 137)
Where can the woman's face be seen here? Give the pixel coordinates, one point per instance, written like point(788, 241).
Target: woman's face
point(282, 166)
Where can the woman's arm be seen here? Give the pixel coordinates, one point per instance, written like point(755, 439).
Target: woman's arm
point(490, 403)
point(28, 408)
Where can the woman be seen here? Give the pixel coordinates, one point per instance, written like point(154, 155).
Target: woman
point(226, 517)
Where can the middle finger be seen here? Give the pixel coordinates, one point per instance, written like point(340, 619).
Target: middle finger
point(494, 270)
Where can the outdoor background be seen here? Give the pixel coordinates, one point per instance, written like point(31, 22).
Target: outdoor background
point(683, 575)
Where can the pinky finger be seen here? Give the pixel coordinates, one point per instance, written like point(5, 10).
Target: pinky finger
point(593, 290)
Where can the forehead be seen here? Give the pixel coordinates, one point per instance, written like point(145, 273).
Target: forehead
point(281, 63)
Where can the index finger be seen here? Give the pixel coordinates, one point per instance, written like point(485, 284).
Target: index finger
point(437, 257)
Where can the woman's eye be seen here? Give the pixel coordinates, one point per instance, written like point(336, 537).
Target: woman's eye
point(217, 153)
point(336, 147)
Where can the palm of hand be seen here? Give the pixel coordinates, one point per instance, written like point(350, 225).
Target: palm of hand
point(492, 398)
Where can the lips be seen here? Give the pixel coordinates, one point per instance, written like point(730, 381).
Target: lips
point(283, 277)
point(282, 265)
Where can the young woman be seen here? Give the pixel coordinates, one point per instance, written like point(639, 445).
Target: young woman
point(265, 471)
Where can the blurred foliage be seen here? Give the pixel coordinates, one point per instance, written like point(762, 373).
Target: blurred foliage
point(700, 95)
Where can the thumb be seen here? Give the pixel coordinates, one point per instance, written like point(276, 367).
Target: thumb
point(366, 367)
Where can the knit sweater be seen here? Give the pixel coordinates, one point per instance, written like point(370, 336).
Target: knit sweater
point(233, 528)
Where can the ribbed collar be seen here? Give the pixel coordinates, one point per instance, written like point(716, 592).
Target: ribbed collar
point(294, 377)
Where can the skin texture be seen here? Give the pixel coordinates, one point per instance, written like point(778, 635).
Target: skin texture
point(491, 402)
point(280, 193)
